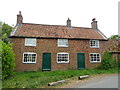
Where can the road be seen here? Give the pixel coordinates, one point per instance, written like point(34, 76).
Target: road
point(110, 81)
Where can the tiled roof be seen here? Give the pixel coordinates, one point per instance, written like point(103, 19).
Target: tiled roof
point(55, 31)
point(113, 45)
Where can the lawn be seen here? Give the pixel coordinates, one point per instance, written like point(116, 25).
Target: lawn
point(40, 79)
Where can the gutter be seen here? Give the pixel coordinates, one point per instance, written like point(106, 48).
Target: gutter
point(56, 38)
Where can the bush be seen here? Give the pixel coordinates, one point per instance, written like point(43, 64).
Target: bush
point(8, 60)
point(118, 61)
point(107, 61)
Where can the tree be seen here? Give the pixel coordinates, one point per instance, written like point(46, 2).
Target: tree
point(5, 29)
point(114, 37)
point(0, 29)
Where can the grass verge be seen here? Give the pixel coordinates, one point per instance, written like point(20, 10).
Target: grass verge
point(41, 79)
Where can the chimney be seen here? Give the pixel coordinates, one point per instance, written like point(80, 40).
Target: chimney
point(68, 23)
point(94, 24)
point(19, 18)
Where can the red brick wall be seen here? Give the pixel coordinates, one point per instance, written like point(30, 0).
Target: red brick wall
point(113, 47)
point(50, 45)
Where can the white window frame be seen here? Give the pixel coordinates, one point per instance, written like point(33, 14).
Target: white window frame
point(96, 44)
point(30, 44)
point(29, 53)
point(94, 60)
point(62, 61)
point(62, 42)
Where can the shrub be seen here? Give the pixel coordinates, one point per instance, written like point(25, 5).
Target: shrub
point(107, 61)
point(8, 60)
point(118, 61)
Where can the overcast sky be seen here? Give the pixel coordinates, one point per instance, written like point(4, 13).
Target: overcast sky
point(56, 12)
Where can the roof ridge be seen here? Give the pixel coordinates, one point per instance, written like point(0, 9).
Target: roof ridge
point(57, 25)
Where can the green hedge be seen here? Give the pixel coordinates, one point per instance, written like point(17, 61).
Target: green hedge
point(8, 60)
point(107, 61)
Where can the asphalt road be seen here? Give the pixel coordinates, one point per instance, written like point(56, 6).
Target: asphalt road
point(110, 81)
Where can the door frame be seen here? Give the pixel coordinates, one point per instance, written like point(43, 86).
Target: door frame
point(43, 61)
point(84, 61)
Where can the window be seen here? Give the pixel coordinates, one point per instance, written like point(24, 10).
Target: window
point(95, 57)
point(94, 43)
point(62, 42)
point(62, 57)
point(29, 57)
point(30, 41)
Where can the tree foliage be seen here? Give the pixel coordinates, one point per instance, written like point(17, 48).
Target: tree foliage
point(5, 31)
point(0, 29)
point(118, 61)
point(114, 37)
point(107, 61)
point(8, 60)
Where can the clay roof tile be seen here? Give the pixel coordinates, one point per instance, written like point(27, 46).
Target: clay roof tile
point(56, 31)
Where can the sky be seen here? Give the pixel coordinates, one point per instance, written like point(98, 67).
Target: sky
point(56, 12)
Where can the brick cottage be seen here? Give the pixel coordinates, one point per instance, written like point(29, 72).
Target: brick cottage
point(56, 47)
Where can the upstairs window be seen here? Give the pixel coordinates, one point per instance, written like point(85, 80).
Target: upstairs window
point(62, 42)
point(95, 57)
point(94, 43)
point(30, 41)
point(62, 57)
point(29, 57)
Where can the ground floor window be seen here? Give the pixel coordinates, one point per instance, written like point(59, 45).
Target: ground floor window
point(95, 57)
point(29, 57)
point(62, 57)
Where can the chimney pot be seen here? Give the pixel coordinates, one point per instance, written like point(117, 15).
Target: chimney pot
point(93, 19)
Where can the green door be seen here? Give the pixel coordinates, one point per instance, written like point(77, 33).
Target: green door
point(46, 62)
point(81, 60)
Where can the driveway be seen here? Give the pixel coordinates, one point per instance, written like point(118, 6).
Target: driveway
point(107, 81)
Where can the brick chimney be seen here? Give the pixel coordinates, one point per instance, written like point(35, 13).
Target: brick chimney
point(68, 23)
point(94, 24)
point(19, 18)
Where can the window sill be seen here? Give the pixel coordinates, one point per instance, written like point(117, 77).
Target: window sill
point(29, 46)
point(94, 47)
point(62, 62)
point(95, 62)
point(28, 63)
point(63, 46)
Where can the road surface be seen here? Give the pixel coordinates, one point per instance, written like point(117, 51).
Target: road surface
point(110, 81)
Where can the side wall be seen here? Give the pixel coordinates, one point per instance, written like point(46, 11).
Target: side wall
point(50, 45)
point(113, 47)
